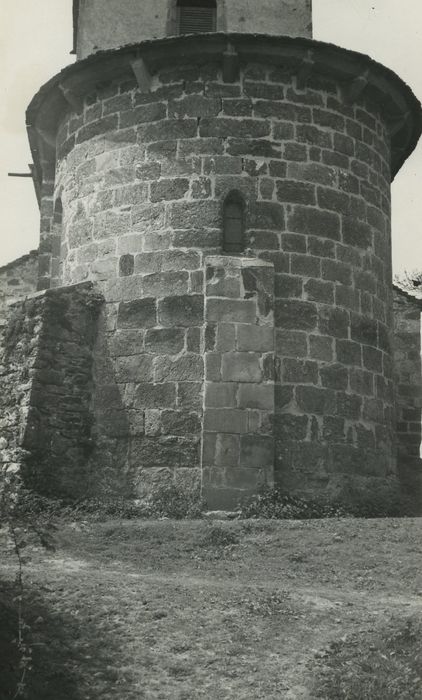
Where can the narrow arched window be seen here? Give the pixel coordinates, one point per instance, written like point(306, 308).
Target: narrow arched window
point(234, 223)
point(58, 212)
point(196, 16)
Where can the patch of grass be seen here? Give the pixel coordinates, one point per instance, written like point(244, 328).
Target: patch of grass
point(383, 666)
point(217, 536)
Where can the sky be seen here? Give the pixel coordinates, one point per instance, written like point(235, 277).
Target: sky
point(35, 43)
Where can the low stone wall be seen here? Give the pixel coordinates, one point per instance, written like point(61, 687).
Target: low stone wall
point(238, 443)
point(46, 390)
point(17, 279)
point(408, 389)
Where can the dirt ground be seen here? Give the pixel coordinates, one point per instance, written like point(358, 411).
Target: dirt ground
point(230, 610)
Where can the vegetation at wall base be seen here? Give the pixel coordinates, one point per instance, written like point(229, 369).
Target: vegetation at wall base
point(274, 504)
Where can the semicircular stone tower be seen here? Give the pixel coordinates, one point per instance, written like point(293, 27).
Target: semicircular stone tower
point(228, 193)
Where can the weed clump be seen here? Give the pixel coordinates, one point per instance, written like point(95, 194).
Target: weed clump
point(272, 504)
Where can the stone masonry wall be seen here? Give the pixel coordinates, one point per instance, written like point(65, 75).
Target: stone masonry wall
point(408, 386)
point(46, 389)
point(142, 177)
point(238, 443)
point(17, 279)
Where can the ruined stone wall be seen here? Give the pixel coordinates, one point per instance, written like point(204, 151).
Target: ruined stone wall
point(408, 388)
point(46, 388)
point(142, 177)
point(238, 442)
point(17, 279)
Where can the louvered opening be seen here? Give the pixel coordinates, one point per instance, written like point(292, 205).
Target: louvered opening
point(196, 16)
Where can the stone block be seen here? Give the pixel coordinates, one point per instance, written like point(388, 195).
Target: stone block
point(293, 242)
point(148, 171)
point(225, 420)
point(165, 450)
point(256, 451)
point(349, 406)
point(153, 396)
point(333, 429)
point(186, 215)
point(334, 322)
point(321, 348)
point(169, 189)
point(267, 216)
point(317, 290)
point(254, 338)
point(334, 376)
point(187, 480)
point(136, 368)
point(221, 395)
point(181, 310)
point(305, 265)
point(225, 337)
point(309, 220)
point(227, 450)
point(249, 480)
point(180, 422)
point(190, 395)
point(289, 427)
point(209, 441)
point(126, 342)
point(148, 217)
point(296, 192)
point(231, 310)
point(126, 265)
point(193, 340)
point(152, 422)
point(283, 396)
point(189, 367)
point(241, 367)
point(336, 271)
point(213, 366)
point(167, 129)
point(165, 341)
point(300, 371)
point(97, 128)
point(194, 106)
point(166, 283)
point(322, 247)
point(349, 352)
point(315, 400)
point(364, 330)
point(226, 127)
point(291, 343)
point(228, 287)
point(296, 315)
point(140, 313)
point(259, 396)
point(357, 233)
point(305, 133)
point(361, 382)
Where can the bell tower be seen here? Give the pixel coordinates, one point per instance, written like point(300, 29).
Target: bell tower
point(99, 25)
point(224, 182)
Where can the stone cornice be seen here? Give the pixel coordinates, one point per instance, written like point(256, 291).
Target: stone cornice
point(359, 75)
